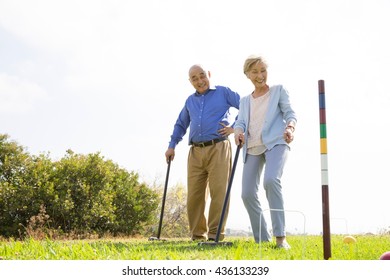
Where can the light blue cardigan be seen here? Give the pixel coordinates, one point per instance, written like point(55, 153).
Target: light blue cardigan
point(279, 113)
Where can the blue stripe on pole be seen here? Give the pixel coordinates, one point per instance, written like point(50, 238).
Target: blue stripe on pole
point(322, 100)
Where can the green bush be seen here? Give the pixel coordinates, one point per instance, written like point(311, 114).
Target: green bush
point(16, 195)
point(79, 193)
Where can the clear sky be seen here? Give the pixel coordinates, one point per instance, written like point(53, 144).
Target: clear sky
point(111, 77)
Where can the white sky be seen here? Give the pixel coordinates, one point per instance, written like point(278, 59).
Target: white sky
point(111, 76)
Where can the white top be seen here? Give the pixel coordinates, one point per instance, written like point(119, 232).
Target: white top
point(258, 110)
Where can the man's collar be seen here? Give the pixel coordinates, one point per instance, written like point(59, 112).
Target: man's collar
point(210, 88)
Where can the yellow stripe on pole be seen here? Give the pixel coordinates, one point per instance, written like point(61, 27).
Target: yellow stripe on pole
point(324, 146)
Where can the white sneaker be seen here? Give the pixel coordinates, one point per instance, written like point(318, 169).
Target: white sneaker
point(284, 245)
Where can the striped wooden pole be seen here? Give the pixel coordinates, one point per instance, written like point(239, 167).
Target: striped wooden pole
point(324, 172)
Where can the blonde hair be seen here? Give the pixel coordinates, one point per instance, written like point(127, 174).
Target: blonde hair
point(251, 60)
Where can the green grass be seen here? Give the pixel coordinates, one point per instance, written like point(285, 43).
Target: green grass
point(303, 248)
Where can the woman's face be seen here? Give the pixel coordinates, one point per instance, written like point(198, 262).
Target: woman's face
point(258, 74)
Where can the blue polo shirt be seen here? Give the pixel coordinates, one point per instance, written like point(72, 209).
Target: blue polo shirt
point(203, 114)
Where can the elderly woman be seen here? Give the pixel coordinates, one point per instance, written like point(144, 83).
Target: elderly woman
point(265, 127)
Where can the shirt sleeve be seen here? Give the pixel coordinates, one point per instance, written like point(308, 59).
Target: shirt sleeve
point(239, 124)
point(233, 99)
point(285, 105)
point(180, 127)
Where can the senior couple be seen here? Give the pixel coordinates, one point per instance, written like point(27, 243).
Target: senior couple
point(264, 128)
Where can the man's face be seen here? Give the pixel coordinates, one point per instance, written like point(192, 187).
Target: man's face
point(199, 79)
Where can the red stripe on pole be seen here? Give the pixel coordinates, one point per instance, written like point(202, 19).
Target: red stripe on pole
point(322, 116)
point(321, 86)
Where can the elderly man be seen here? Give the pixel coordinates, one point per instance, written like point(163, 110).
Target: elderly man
point(206, 112)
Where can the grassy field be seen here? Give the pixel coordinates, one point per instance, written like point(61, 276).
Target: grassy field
point(303, 248)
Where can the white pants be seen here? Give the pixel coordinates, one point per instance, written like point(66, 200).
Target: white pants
point(274, 161)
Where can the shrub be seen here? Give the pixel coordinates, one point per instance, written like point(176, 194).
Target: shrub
point(77, 194)
point(16, 194)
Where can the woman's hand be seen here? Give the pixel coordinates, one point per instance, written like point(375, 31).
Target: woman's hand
point(289, 134)
point(239, 138)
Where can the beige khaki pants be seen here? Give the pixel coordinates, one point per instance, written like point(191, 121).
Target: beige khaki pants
point(208, 173)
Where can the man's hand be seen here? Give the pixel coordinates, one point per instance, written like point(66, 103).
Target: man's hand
point(170, 154)
point(226, 130)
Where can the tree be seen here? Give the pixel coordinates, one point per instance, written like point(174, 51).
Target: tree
point(16, 194)
point(175, 219)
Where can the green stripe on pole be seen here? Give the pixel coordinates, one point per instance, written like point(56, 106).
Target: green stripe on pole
point(323, 130)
